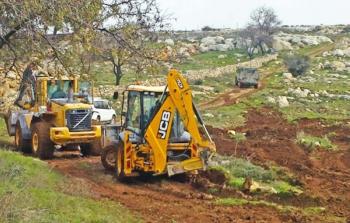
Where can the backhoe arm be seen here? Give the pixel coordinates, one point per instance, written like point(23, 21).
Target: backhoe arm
point(177, 99)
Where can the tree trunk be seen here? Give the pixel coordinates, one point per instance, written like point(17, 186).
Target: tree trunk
point(261, 46)
point(118, 73)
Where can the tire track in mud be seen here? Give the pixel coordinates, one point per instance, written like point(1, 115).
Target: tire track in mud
point(232, 96)
point(160, 199)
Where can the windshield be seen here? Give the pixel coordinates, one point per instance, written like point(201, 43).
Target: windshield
point(135, 120)
point(59, 89)
point(134, 112)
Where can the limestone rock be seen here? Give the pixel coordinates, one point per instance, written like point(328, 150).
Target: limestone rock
point(169, 42)
point(282, 101)
point(11, 75)
point(279, 44)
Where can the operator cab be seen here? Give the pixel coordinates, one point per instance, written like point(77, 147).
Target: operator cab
point(141, 105)
point(65, 91)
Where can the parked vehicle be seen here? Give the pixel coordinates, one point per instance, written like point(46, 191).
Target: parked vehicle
point(247, 77)
point(103, 111)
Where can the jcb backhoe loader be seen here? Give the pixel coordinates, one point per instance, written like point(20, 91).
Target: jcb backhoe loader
point(160, 133)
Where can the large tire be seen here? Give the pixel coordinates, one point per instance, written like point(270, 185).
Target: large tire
point(21, 144)
point(119, 163)
point(42, 146)
point(109, 156)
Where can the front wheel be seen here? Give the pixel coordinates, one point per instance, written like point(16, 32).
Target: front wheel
point(42, 146)
point(109, 157)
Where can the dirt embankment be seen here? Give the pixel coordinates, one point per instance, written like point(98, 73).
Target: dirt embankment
point(271, 140)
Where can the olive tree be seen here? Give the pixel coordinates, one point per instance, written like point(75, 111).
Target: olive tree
point(65, 32)
point(263, 24)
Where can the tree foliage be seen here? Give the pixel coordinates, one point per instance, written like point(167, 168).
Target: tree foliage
point(258, 33)
point(297, 64)
point(65, 33)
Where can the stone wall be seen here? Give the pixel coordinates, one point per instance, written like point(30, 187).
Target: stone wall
point(193, 75)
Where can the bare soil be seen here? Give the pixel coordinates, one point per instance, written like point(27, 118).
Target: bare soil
point(160, 199)
point(324, 175)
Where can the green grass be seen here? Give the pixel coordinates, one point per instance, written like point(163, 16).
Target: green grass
point(3, 131)
point(272, 180)
point(211, 60)
point(329, 110)
point(218, 84)
point(227, 116)
point(31, 192)
point(312, 142)
point(102, 74)
point(319, 213)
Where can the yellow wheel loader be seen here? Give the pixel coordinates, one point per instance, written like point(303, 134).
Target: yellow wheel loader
point(162, 132)
point(58, 112)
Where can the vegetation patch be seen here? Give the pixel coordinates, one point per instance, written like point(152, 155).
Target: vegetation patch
point(272, 180)
point(3, 131)
point(212, 59)
point(312, 142)
point(31, 192)
point(227, 116)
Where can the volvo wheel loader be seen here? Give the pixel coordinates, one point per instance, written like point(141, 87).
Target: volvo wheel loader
point(55, 112)
point(162, 132)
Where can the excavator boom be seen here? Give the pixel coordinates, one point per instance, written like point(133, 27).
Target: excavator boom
point(178, 99)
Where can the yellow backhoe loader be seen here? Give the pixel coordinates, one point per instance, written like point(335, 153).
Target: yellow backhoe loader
point(162, 132)
point(55, 112)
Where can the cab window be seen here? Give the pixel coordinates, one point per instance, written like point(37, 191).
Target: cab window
point(134, 112)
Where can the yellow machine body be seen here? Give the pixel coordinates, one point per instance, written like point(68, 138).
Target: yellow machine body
point(54, 117)
point(151, 153)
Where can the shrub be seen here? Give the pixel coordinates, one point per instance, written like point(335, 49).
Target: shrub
point(346, 29)
point(208, 28)
point(297, 64)
point(311, 142)
point(198, 82)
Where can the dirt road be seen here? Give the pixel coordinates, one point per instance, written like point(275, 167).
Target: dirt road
point(160, 199)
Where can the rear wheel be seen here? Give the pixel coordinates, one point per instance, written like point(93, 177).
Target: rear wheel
point(42, 146)
point(256, 86)
point(109, 157)
point(22, 145)
point(119, 163)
